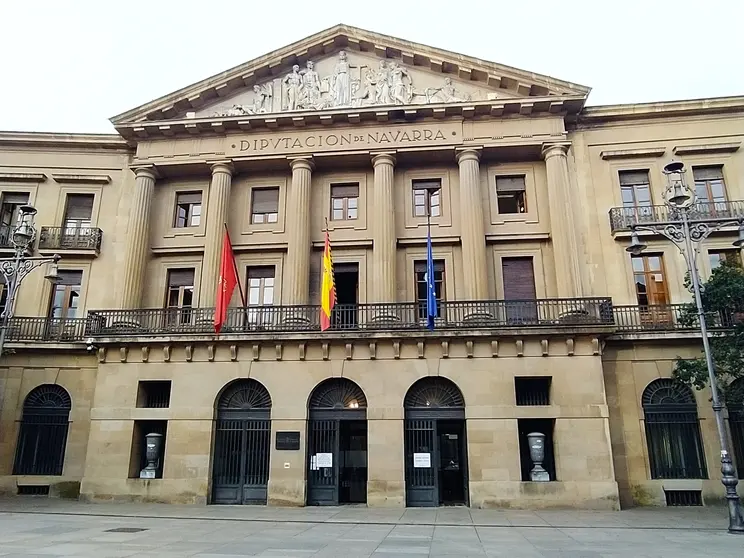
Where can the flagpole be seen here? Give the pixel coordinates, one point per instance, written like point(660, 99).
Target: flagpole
point(235, 267)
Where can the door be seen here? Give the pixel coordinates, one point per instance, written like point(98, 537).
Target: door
point(518, 275)
point(352, 462)
point(651, 291)
point(450, 435)
point(322, 466)
point(422, 482)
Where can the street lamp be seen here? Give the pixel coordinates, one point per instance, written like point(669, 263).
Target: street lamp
point(15, 269)
point(687, 225)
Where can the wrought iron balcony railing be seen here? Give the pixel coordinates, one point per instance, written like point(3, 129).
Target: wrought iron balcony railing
point(70, 238)
point(61, 330)
point(622, 218)
point(666, 317)
point(357, 317)
point(6, 238)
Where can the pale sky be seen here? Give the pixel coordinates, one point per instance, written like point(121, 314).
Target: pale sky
point(70, 65)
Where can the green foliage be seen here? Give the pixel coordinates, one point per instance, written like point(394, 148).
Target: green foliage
point(723, 304)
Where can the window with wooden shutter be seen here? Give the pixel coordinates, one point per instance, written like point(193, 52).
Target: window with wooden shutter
point(66, 294)
point(717, 257)
point(427, 198)
point(510, 194)
point(260, 285)
point(344, 202)
point(11, 202)
point(188, 209)
point(635, 188)
point(710, 188)
point(180, 288)
point(264, 205)
point(78, 211)
point(519, 278)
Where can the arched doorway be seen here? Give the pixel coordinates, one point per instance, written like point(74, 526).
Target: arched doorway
point(42, 436)
point(242, 444)
point(435, 444)
point(675, 450)
point(337, 444)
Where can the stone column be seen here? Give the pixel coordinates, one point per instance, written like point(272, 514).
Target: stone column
point(472, 231)
point(383, 230)
point(297, 269)
point(563, 231)
point(138, 238)
point(218, 203)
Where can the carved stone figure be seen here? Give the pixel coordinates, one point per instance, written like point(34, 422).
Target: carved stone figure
point(262, 100)
point(310, 93)
point(293, 83)
point(401, 84)
point(446, 93)
point(341, 84)
point(382, 85)
point(235, 110)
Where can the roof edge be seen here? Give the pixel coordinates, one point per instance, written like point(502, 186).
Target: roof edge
point(61, 139)
point(662, 109)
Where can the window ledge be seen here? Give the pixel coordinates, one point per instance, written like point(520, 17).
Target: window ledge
point(633, 153)
point(22, 177)
point(82, 178)
point(707, 148)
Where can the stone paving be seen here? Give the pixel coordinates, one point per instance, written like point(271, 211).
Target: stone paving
point(41, 527)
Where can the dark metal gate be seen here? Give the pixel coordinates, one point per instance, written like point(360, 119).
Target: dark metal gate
point(242, 444)
point(42, 436)
point(432, 406)
point(736, 424)
point(337, 444)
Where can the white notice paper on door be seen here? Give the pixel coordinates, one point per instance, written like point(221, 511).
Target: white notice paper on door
point(421, 460)
point(324, 460)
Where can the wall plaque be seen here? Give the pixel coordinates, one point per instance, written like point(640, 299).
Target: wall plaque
point(288, 441)
point(349, 139)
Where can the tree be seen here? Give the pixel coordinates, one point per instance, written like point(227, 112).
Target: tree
point(723, 304)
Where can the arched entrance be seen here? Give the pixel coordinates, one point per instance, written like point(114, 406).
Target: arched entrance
point(42, 437)
point(242, 444)
point(435, 445)
point(337, 444)
point(675, 450)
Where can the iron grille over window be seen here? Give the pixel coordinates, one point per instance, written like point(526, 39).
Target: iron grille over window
point(43, 433)
point(533, 391)
point(683, 497)
point(675, 448)
point(154, 394)
point(735, 404)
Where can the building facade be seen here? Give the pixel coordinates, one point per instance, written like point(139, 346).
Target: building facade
point(545, 323)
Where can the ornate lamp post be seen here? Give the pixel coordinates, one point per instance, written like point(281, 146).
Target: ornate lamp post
point(687, 225)
point(15, 269)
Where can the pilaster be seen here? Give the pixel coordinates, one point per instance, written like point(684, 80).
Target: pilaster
point(383, 229)
point(472, 231)
point(138, 237)
point(297, 273)
point(217, 208)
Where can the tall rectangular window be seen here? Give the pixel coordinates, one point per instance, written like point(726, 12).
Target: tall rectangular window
point(344, 202)
point(188, 209)
point(650, 281)
point(11, 202)
point(518, 274)
point(264, 205)
point(419, 268)
point(427, 198)
point(78, 212)
point(66, 294)
point(635, 188)
point(717, 257)
point(510, 194)
point(261, 286)
point(180, 292)
point(709, 185)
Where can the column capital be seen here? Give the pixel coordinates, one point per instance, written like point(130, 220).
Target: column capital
point(296, 163)
point(147, 171)
point(468, 154)
point(383, 158)
point(553, 149)
point(225, 167)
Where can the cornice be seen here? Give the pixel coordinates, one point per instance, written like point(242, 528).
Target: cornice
point(61, 140)
point(593, 115)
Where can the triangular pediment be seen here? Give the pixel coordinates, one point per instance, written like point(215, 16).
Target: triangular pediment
point(351, 69)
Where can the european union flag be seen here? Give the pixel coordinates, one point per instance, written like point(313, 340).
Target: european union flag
point(431, 292)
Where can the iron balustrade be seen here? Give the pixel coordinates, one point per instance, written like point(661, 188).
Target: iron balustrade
point(622, 218)
point(355, 317)
point(21, 329)
point(666, 317)
point(70, 238)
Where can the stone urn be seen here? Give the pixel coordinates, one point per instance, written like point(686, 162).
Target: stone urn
point(536, 441)
point(153, 443)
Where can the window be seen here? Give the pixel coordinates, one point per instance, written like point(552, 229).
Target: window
point(66, 294)
point(188, 209)
point(260, 293)
point(675, 450)
point(180, 296)
point(650, 283)
point(78, 212)
point(709, 186)
point(153, 394)
point(518, 275)
point(717, 257)
point(9, 212)
point(510, 194)
point(419, 268)
point(344, 202)
point(3, 293)
point(427, 198)
point(634, 188)
point(532, 390)
point(264, 205)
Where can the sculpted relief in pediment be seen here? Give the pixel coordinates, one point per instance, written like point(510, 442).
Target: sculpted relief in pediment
point(347, 81)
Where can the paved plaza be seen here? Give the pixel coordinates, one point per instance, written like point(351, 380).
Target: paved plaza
point(40, 527)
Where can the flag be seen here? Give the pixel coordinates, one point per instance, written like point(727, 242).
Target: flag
point(431, 292)
point(226, 284)
point(328, 286)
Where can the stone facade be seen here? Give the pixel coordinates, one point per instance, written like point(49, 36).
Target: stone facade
point(386, 116)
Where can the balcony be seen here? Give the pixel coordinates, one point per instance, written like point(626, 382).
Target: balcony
point(70, 239)
point(405, 316)
point(666, 318)
point(37, 329)
point(622, 218)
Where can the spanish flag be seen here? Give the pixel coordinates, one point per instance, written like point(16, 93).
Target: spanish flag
point(328, 287)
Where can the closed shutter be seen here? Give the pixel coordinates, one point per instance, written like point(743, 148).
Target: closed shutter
point(15, 198)
point(510, 184)
point(70, 277)
point(261, 272)
point(345, 190)
point(630, 178)
point(181, 278)
point(79, 207)
point(265, 200)
point(188, 197)
point(519, 278)
point(708, 173)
